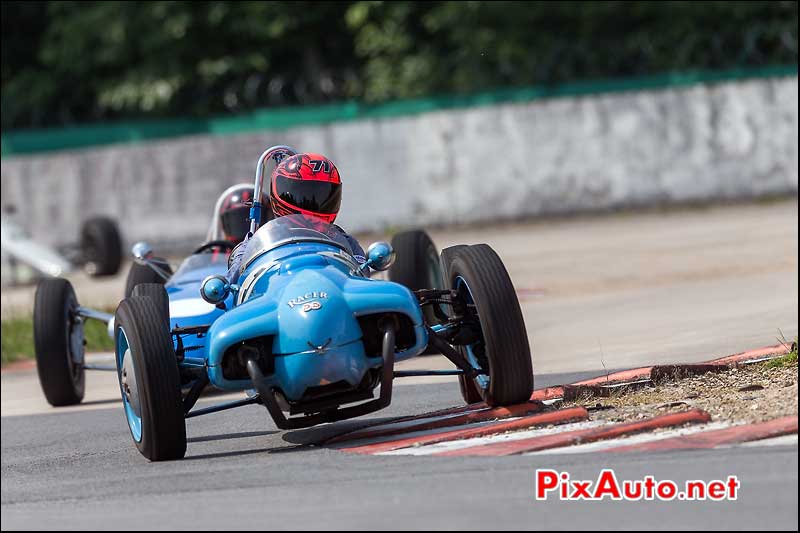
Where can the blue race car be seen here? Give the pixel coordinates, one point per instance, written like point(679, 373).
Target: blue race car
point(307, 333)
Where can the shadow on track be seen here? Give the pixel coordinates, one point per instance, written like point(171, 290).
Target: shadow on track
point(228, 436)
point(318, 435)
point(302, 440)
point(103, 402)
point(239, 453)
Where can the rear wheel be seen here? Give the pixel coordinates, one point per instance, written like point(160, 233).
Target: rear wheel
point(149, 379)
point(139, 274)
point(58, 341)
point(101, 246)
point(489, 304)
point(418, 267)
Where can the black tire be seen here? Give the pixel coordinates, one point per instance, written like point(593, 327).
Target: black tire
point(139, 274)
point(163, 426)
point(101, 246)
point(417, 266)
point(504, 349)
point(54, 323)
point(157, 293)
point(449, 253)
point(469, 390)
point(446, 258)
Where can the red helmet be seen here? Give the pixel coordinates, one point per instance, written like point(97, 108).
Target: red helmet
point(307, 184)
point(234, 213)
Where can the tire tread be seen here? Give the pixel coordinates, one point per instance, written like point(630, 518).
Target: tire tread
point(139, 274)
point(164, 427)
point(412, 248)
point(104, 231)
point(51, 344)
point(496, 299)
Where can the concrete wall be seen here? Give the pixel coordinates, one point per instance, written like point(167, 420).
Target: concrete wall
point(728, 141)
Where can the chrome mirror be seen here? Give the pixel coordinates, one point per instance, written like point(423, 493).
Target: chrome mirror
point(380, 256)
point(215, 289)
point(142, 252)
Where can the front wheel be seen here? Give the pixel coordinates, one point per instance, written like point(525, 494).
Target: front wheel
point(157, 293)
point(149, 379)
point(489, 305)
point(58, 342)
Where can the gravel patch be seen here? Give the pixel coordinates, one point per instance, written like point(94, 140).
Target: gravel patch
point(746, 394)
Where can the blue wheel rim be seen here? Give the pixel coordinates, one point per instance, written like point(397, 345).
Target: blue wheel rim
point(134, 420)
point(482, 380)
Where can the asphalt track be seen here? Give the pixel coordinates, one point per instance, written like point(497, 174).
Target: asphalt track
point(609, 291)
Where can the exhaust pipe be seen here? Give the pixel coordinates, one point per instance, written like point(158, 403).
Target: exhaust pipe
point(267, 396)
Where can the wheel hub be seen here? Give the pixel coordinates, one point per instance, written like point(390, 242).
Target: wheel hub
point(76, 341)
point(128, 381)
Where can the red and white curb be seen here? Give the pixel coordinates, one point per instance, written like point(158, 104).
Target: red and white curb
point(447, 420)
point(478, 430)
point(718, 437)
point(473, 431)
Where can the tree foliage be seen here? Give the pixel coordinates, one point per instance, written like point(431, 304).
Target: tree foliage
point(67, 62)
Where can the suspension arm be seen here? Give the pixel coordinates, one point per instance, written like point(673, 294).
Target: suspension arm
point(435, 340)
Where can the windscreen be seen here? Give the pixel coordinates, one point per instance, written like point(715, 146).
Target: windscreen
point(215, 232)
point(294, 228)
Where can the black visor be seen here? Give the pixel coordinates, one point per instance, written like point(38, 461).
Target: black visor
point(321, 197)
point(236, 223)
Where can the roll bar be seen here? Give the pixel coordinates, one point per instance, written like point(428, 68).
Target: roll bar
point(276, 153)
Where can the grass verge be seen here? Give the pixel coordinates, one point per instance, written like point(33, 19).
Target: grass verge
point(16, 337)
point(790, 359)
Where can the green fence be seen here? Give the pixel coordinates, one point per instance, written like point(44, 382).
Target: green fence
point(20, 142)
